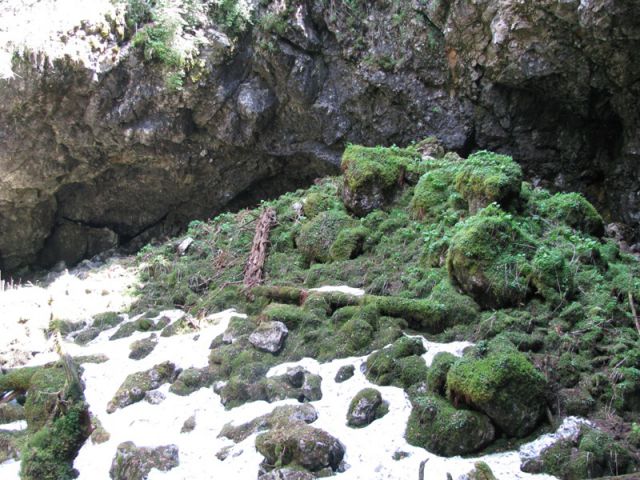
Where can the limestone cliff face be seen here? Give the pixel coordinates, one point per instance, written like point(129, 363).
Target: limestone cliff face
point(107, 149)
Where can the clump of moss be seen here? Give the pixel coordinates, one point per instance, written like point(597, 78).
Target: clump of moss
point(437, 374)
point(349, 243)
point(399, 364)
point(317, 235)
point(501, 383)
point(432, 193)
point(593, 454)
point(488, 258)
point(574, 210)
point(487, 177)
point(372, 175)
point(444, 430)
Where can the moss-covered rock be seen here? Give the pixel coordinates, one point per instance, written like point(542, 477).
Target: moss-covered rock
point(17, 380)
point(504, 385)
point(574, 210)
point(135, 386)
point(142, 348)
point(434, 424)
point(10, 445)
point(592, 454)
point(190, 380)
point(318, 234)
point(487, 177)
point(481, 471)
point(400, 364)
point(372, 176)
point(127, 329)
point(297, 443)
point(487, 258)
point(135, 463)
point(106, 320)
point(437, 374)
point(344, 373)
point(432, 193)
point(11, 412)
point(43, 395)
point(349, 243)
point(365, 407)
point(279, 416)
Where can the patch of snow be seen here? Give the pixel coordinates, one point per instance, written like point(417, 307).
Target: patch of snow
point(14, 426)
point(356, 292)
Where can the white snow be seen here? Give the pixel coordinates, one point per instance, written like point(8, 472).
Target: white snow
point(356, 292)
point(14, 426)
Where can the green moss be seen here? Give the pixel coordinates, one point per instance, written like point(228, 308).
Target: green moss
point(437, 374)
point(432, 193)
point(42, 396)
point(17, 380)
point(574, 210)
point(380, 165)
point(441, 429)
point(504, 385)
point(487, 177)
point(317, 235)
point(320, 201)
point(349, 243)
point(488, 258)
point(399, 364)
point(106, 320)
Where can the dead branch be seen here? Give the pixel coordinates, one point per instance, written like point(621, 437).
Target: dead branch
point(634, 312)
point(254, 269)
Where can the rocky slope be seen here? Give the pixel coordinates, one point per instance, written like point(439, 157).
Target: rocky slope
point(476, 313)
point(129, 124)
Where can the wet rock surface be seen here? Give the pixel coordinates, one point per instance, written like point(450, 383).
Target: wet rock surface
point(554, 83)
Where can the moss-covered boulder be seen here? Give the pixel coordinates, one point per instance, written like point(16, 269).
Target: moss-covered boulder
point(42, 396)
point(129, 328)
point(11, 412)
point(591, 454)
point(136, 385)
point(487, 177)
point(135, 463)
point(372, 176)
point(481, 471)
point(349, 243)
point(190, 380)
point(9, 445)
point(297, 443)
point(434, 424)
point(318, 234)
point(432, 193)
point(488, 259)
point(437, 374)
point(400, 364)
point(574, 210)
point(365, 407)
point(142, 348)
point(279, 416)
point(504, 385)
point(344, 373)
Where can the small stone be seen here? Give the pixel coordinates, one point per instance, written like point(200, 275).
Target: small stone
point(364, 407)
point(295, 376)
point(269, 336)
point(85, 336)
point(184, 246)
point(189, 424)
point(142, 348)
point(345, 373)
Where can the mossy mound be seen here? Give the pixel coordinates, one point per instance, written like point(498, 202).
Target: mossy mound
point(318, 235)
point(501, 383)
point(365, 407)
point(487, 177)
point(437, 426)
point(399, 365)
point(372, 176)
point(135, 386)
point(592, 454)
point(573, 210)
point(488, 258)
point(437, 374)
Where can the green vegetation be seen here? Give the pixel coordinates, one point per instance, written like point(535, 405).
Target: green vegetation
point(449, 248)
